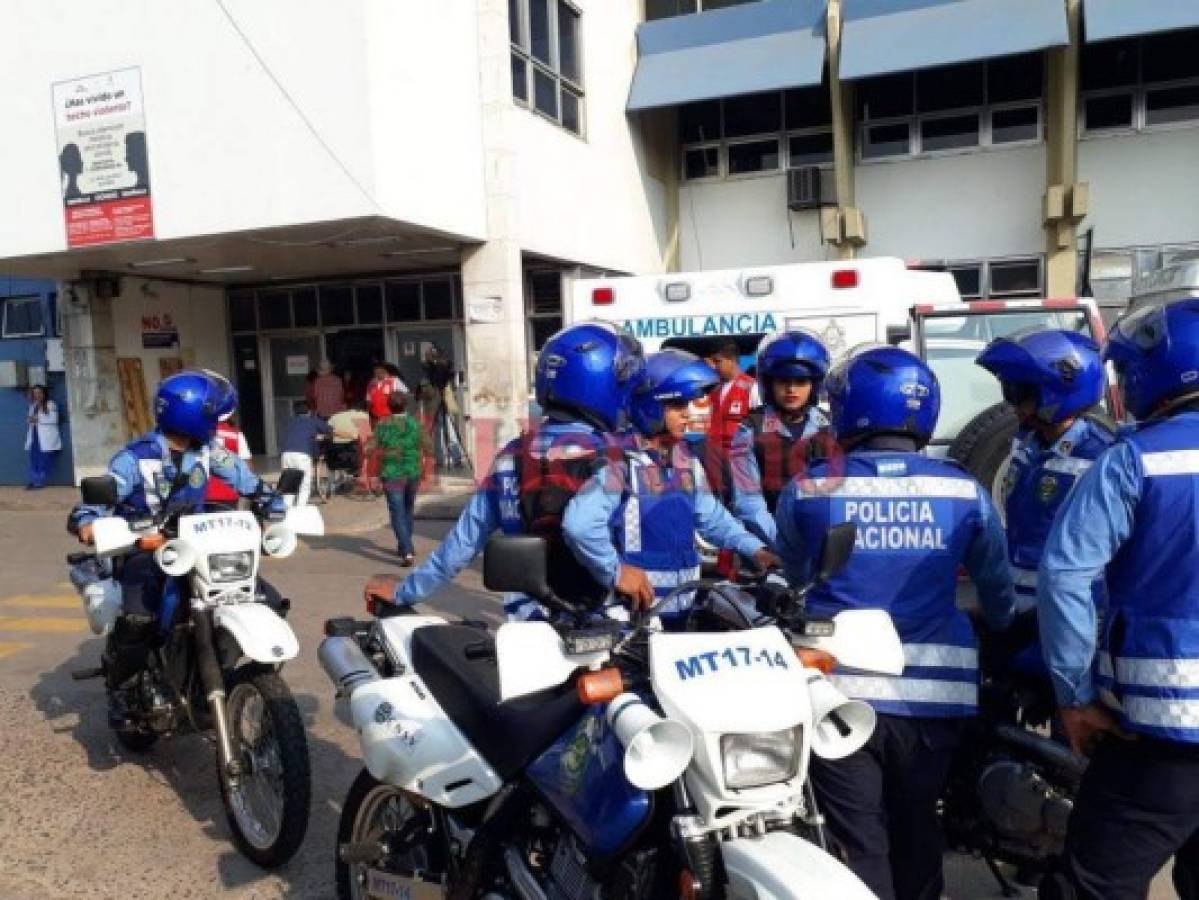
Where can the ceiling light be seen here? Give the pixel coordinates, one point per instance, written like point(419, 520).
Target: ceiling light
point(226, 270)
point(169, 261)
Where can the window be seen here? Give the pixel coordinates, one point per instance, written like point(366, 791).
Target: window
point(23, 317)
point(547, 59)
point(274, 309)
point(304, 308)
point(241, 312)
point(951, 108)
point(370, 304)
point(1139, 83)
point(664, 9)
point(337, 305)
point(543, 305)
point(756, 133)
point(998, 278)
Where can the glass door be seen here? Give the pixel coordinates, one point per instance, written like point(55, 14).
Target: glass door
point(293, 359)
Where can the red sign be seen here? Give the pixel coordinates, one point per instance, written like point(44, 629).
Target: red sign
point(110, 220)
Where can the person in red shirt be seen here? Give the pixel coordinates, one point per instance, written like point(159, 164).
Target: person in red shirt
point(733, 399)
point(386, 382)
point(232, 439)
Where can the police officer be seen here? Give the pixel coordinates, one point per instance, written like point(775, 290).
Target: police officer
point(582, 382)
point(767, 451)
point(918, 519)
point(1134, 515)
point(642, 513)
point(166, 470)
point(1050, 378)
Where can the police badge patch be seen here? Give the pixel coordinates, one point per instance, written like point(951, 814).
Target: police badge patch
point(1046, 488)
point(197, 477)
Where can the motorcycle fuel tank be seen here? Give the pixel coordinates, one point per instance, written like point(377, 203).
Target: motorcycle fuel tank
point(582, 777)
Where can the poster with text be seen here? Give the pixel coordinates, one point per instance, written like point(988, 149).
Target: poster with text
point(105, 170)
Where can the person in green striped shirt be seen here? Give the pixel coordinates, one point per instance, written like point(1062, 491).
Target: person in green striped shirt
point(402, 446)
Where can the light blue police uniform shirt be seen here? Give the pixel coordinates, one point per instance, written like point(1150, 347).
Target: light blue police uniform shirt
point(589, 515)
point(986, 558)
point(1093, 522)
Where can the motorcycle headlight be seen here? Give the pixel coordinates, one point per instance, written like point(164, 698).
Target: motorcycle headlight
point(761, 758)
point(231, 566)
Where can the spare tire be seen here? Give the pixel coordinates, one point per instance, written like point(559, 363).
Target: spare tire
point(983, 447)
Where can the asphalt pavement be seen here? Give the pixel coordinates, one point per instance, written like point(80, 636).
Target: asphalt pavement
point(82, 817)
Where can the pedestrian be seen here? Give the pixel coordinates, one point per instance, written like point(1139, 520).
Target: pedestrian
point(733, 399)
point(43, 439)
point(229, 436)
point(402, 446)
point(918, 520)
point(300, 446)
point(386, 382)
point(1128, 691)
point(328, 391)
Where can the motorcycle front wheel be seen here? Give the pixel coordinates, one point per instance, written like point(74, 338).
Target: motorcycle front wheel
point(267, 807)
point(373, 810)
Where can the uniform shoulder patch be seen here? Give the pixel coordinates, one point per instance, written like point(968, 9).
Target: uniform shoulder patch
point(220, 454)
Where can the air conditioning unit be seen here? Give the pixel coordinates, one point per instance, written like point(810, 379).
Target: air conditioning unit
point(803, 188)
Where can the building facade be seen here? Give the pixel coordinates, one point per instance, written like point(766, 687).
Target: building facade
point(208, 187)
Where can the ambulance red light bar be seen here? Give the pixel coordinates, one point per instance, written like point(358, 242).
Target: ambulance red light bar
point(603, 296)
point(845, 278)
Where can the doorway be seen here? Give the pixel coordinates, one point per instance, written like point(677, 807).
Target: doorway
point(293, 358)
point(354, 353)
point(427, 379)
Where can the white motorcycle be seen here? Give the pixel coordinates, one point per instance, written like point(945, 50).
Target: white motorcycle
point(215, 663)
point(595, 760)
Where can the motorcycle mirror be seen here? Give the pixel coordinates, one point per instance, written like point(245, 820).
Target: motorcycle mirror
point(99, 491)
point(838, 547)
point(290, 481)
point(516, 563)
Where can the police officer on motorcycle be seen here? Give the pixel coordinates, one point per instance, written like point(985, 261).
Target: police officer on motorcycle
point(641, 514)
point(584, 373)
point(1051, 378)
point(166, 470)
point(918, 519)
point(767, 452)
point(1132, 516)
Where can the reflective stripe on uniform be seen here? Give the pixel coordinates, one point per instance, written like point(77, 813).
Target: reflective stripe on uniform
point(1067, 465)
point(1105, 665)
point(1156, 673)
point(672, 579)
point(151, 472)
point(1171, 462)
point(632, 525)
point(1024, 578)
point(920, 486)
point(1157, 712)
point(906, 690)
point(945, 656)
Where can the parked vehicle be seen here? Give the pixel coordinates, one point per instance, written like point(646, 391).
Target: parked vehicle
point(593, 758)
point(216, 665)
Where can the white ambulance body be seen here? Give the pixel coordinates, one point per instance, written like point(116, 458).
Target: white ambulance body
point(845, 303)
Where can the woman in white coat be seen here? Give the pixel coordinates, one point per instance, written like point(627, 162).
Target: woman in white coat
point(43, 439)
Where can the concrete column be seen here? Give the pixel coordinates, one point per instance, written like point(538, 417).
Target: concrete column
point(1065, 199)
point(658, 130)
point(93, 384)
point(492, 282)
point(841, 102)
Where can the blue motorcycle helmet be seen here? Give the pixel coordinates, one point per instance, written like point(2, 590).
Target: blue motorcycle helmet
point(1058, 369)
point(879, 390)
point(191, 403)
point(791, 354)
point(671, 376)
point(585, 371)
point(1155, 351)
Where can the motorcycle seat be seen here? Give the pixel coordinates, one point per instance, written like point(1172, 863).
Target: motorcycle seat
point(508, 735)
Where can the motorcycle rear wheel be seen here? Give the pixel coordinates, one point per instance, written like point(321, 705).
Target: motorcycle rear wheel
point(370, 809)
point(268, 809)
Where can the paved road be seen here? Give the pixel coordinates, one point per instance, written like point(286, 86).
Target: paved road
point(81, 817)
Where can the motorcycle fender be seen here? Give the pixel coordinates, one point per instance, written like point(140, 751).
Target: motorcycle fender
point(782, 866)
point(261, 635)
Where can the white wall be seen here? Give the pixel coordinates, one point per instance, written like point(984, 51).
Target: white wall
point(588, 200)
point(199, 313)
point(744, 222)
point(388, 88)
point(964, 206)
point(1144, 187)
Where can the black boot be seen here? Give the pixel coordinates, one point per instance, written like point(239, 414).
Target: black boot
point(124, 657)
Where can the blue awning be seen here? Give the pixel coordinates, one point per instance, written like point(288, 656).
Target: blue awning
point(1107, 19)
point(884, 36)
point(764, 46)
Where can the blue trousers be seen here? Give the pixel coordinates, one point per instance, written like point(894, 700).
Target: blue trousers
point(401, 498)
point(39, 462)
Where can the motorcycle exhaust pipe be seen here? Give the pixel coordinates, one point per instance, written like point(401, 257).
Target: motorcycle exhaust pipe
point(1046, 750)
point(214, 692)
point(345, 664)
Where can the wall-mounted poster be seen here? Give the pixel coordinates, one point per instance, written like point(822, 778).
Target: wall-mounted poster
point(159, 331)
point(100, 125)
